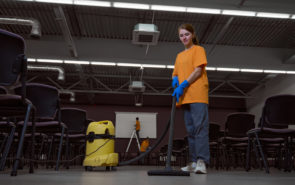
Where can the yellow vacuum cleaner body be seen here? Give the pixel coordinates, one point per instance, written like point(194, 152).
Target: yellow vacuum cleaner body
point(100, 145)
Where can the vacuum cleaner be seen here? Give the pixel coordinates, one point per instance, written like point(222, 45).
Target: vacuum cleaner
point(100, 146)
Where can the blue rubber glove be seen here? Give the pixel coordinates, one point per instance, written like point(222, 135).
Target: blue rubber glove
point(175, 82)
point(178, 92)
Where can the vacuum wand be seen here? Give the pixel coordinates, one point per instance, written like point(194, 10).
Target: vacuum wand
point(171, 135)
point(168, 171)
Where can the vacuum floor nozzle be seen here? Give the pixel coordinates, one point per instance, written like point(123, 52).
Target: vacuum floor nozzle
point(168, 173)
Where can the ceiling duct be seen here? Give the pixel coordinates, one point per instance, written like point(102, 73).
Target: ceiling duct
point(145, 34)
point(136, 86)
point(60, 70)
point(36, 27)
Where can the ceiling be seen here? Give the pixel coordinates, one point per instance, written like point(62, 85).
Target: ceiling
point(90, 82)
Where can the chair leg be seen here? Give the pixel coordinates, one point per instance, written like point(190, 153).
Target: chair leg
point(257, 154)
point(5, 137)
point(262, 154)
point(21, 141)
point(248, 157)
point(59, 148)
point(31, 170)
point(67, 150)
point(7, 148)
point(49, 151)
point(287, 156)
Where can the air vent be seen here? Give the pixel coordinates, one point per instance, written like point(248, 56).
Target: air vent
point(145, 34)
point(136, 86)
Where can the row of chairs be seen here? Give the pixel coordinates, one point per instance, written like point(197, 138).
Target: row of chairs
point(271, 142)
point(50, 124)
point(32, 108)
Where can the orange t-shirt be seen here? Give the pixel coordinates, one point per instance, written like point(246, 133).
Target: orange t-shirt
point(137, 125)
point(185, 64)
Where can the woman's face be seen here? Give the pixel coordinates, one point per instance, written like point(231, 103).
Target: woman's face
point(185, 37)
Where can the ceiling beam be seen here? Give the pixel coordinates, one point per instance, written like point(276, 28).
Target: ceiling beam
point(61, 19)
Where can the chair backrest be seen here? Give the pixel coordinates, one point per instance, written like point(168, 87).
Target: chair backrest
point(3, 90)
point(74, 119)
point(12, 58)
point(214, 131)
point(237, 124)
point(178, 144)
point(278, 111)
point(44, 97)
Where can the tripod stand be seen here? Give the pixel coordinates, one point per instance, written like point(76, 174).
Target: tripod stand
point(137, 139)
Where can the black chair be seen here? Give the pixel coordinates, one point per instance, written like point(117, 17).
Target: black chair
point(277, 114)
point(75, 120)
point(13, 66)
point(178, 149)
point(214, 143)
point(235, 140)
point(163, 154)
point(46, 100)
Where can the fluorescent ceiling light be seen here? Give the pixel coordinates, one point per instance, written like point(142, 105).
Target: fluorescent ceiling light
point(131, 5)
point(252, 70)
point(153, 66)
point(103, 63)
point(273, 15)
point(170, 66)
point(31, 59)
point(238, 13)
point(93, 3)
point(275, 71)
point(293, 16)
point(76, 62)
point(49, 61)
point(290, 72)
point(56, 1)
point(128, 65)
point(228, 69)
point(210, 68)
point(168, 8)
point(203, 10)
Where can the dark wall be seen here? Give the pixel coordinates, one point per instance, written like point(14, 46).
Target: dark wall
point(218, 110)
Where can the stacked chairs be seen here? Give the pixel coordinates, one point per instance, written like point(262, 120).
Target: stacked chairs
point(45, 99)
point(235, 140)
point(277, 114)
point(13, 67)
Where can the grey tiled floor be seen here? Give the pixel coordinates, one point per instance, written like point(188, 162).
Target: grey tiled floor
point(137, 175)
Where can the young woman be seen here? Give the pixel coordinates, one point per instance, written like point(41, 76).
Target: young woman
point(192, 95)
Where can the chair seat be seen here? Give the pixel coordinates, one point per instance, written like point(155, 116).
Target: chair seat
point(44, 124)
point(275, 131)
point(73, 136)
point(4, 124)
point(12, 105)
point(240, 145)
point(10, 100)
point(213, 143)
point(37, 134)
point(272, 140)
point(237, 139)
